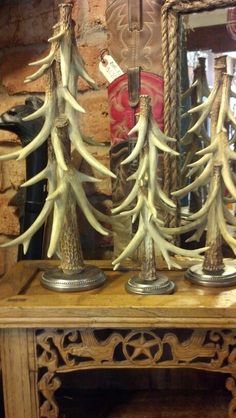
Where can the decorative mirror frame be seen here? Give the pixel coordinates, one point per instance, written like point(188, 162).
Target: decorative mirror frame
point(171, 47)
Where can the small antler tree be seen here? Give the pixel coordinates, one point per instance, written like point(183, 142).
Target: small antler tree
point(61, 69)
point(149, 195)
point(215, 160)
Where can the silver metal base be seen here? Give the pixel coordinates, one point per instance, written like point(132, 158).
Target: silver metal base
point(89, 278)
point(160, 286)
point(227, 277)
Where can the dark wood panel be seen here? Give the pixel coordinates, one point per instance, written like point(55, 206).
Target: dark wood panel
point(1, 398)
point(215, 38)
point(140, 404)
point(143, 379)
point(125, 393)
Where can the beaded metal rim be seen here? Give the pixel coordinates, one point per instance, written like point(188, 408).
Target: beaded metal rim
point(89, 278)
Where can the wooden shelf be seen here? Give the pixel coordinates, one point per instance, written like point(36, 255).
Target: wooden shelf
point(26, 303)
point(47, 334)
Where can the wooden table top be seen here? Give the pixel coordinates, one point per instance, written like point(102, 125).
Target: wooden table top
point(25, 303)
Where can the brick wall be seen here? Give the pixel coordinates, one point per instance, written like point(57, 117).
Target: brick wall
point(25, 26)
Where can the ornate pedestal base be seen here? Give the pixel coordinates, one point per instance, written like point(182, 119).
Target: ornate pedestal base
point(161, 286)
point(227, 277)
point(89, 278)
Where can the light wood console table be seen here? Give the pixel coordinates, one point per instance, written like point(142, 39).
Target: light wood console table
point(45, 334)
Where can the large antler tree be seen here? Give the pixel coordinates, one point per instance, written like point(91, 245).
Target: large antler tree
point(61, 69)
point(149, 196)
point(217, 173)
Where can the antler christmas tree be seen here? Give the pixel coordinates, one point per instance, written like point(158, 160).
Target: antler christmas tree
point(215, 161)
point(149, 195)
point(61, 69)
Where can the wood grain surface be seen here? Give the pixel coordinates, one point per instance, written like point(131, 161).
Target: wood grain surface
point(24, 301)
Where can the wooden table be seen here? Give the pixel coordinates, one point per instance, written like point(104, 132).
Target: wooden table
point(45, 334)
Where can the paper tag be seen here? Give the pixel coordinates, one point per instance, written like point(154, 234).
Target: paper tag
point(109, 68)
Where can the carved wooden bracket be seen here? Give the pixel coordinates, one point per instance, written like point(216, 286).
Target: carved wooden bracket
point(76, 349)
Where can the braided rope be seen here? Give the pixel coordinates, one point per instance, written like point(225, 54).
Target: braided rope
point(187, 6)
point(171, 70)
point(171, 11)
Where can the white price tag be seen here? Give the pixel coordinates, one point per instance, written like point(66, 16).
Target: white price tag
point(109, 68)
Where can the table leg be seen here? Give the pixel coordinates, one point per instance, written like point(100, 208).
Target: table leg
point(19, 373)
point(48, 385)
point(231, 386)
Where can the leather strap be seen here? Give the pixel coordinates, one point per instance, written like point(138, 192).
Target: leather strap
point(134, 85)
point(135, 14)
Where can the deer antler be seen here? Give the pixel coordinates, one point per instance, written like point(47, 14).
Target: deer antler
point(147, 191)
point(60, 98)
point(49, 173)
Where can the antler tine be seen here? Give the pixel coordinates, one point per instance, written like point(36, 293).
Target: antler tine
point(58, 32)
point(228, 216)
point(227, 178)
point(59, 197)
point(28, 234)
point(42, 111)
point(199, 181)
point(158, 133)
point(48, 172)
point(58, 150)
point(78, 65)
point(166, 247)
point(204, 108)
point(140, 128)
point(37, 141)
point(141, 169)
point(44, 133)
point(164, 198)
point(223, 227)
point(189, 91)
point(134, 192)
point(133, 244)
point(136, 210)
point(198, 233)
point(184, 228)
point(69, 182)
point(211, 148)
point(224, 105)
point(37, 74)
point(77, 141)
point(201, 161)
point(210, 199)
point(72, 177)
point(64, 92)
point(12, 156)
point(46, 60)
point(161, 145)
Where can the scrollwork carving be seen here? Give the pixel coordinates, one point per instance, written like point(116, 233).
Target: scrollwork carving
point(61, 351)
point(225, 342)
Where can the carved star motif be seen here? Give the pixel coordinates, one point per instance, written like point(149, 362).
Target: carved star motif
point(142, 346)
